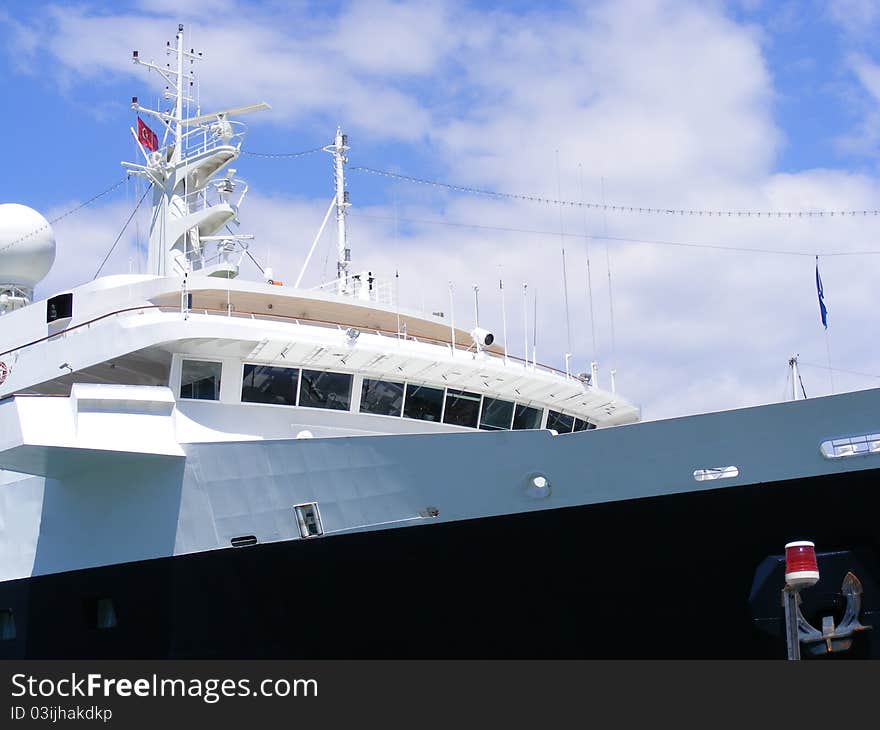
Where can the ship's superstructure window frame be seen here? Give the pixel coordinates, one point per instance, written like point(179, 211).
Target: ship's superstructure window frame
point(270, 385)
point(212, 370)
point(496, 414)
point(382, 397)
point(325, 389)
point(582, 424)
point(560, 422)
point(295, 386)
point(308, 517)
point(59, 307)
point(462, 408)
point(527, 418)
point(423, 403)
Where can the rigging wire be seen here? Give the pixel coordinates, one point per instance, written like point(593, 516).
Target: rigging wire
point(839, 370)
point(122, 231)
point(768, 214)
point(282, 155)
point(65, 214)
point(621, 239)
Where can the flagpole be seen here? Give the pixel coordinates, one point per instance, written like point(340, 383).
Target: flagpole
point(823, 314)
point(828, 355)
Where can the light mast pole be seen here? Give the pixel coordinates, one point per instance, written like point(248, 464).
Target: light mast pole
point(343, 252)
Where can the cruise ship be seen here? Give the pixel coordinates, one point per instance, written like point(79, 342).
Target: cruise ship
point(193, 465)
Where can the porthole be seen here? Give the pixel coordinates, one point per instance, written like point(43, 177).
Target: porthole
point(537, 485)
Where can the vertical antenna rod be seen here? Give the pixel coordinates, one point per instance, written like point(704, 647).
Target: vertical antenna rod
point(452, 318)
point(476, 306)
point(178, 102)
point(535, 331)
point(564, 273)
point(525, 323)
point(503, 311)
point(589, 273)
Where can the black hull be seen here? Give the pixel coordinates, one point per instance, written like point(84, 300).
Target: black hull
point(664, 577)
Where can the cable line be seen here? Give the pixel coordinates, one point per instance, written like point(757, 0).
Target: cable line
point(623, 208)
point(149, 187)
point(282, 155)
point(65, 214)
point(656, 242)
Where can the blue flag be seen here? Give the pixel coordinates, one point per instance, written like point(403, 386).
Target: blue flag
point(823, 311)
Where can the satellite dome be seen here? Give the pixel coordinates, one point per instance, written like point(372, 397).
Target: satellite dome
point(27, 246)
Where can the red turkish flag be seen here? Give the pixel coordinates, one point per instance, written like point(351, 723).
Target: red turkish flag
point(147, 137)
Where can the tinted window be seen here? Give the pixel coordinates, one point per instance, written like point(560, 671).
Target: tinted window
point(264, 384)
point(559, 422)
point(581, 425)
point(381, 397)
point(59, 307)
point(496, 414)
point(423, 403)
point(325, 390)
point(526, 417)
point(462, 408)
point(200, 380)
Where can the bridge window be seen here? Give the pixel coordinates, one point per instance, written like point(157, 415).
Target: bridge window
point(526, 417)
point(200, 380)
point(581, 425)
point(381, 397)
point(423, 403)
point(497, 414)
point(560, 422)
point(264, 384)
point(462, 408)
point(321, 389)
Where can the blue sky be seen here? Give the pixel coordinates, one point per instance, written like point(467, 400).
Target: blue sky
point(763, 105)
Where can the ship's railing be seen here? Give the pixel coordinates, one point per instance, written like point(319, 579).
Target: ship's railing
point(305, 321)
point(215, 192)
point(363, 286)
point(207, 136)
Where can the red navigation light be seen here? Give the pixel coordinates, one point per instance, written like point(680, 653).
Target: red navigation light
point(801, 569)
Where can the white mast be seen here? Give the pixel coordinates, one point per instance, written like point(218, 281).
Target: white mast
point(191, 211)
point(343, 252)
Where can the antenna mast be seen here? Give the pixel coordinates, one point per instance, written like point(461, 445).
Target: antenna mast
point(192, 211)
point(343, 252)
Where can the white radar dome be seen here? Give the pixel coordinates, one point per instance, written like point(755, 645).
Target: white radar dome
point(27, 246)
